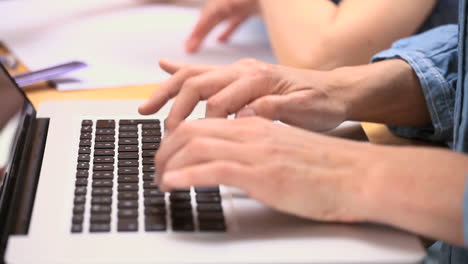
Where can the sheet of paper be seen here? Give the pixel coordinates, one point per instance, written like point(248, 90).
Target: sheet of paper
point(120, 40)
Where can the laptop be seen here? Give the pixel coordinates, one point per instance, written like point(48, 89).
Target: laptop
point(77, 187)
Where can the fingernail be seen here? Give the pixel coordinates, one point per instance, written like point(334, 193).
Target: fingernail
point(245, 112)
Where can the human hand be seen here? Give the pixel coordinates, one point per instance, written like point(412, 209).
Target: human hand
point(217, 11)
point(286, 168)
point(304, 98)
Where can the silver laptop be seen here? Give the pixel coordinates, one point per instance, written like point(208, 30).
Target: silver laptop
point(78, 188)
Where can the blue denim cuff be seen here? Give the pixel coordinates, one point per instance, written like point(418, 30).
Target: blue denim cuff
point(437, 91)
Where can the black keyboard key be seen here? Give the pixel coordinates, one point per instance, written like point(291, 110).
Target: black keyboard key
point(148, 176)
point(82, 174)
point(127, 225)
point(150, 146)
point(128, 171)
point(210, 216)
point(86, 122)
point(104, 152)
point(128, 135)
point(100, 209)
point(148, 121)
point(175, 197)
point(128, 122)
point(128, 128)
point(150, 185)
point(181, 190)
point(155, 223)
point(127, 213)
point(183, 226)
point(86, 135)
point(77, 228)
point(154, 201)
point(129, 155)
point(104, 200)
point(105, 131)
point(216, 226)
point(122, 187)
point(128, 163)
point(101, 192)
point(124, 204)
point(107, 175)
point(151, 126)
point(102, 183)
point(148, 161)
point(151, 133)
point(148, 153)
point(127, 196)
point(105, 124)
point(100, 218)
point(207, 189)
point(84, 158)
point(208, 198)
point(104, 145)
point(78, 209)
point(86, 129)
point(153, 193)
point(151, 139)
point(181, 214)
point(99, 228)
point(128, 148)
point(103, 167)
point(105, 138)
point(85, 143)
point(84, 150)
point(79, 199)
point(155, 210)
point(83, 165)
point(181, 206)
point(103, 159)
point(81, 182)
point(77, 219)
point(80, 190)
point(209, 207)
point(149, 168)
point(128, 179)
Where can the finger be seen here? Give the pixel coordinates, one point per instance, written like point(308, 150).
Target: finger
point(233, 25)
point(169, 89)
point(206, 149)
point(236, 96)
point(172, 67)
point(196, 89)
point(186, 131)
point(211, 16)
point(208, 174)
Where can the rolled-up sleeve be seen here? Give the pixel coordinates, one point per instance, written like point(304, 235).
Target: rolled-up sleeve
point(433, 57)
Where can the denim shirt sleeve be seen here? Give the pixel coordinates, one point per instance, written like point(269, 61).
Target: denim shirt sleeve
point(433, 57)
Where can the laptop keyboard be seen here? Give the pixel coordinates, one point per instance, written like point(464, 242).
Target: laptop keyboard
point(115, 179)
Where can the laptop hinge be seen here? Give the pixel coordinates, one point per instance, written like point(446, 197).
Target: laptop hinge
point(28, 177)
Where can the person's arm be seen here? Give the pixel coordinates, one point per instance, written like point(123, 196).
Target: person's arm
point(318, 34)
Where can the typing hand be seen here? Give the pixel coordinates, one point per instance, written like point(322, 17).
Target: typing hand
point(215, 12)
point(303, 98)
point(289, 169)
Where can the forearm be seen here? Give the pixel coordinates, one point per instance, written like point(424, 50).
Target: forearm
point(417, 189)
point(320, 35)
point(386, 92)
